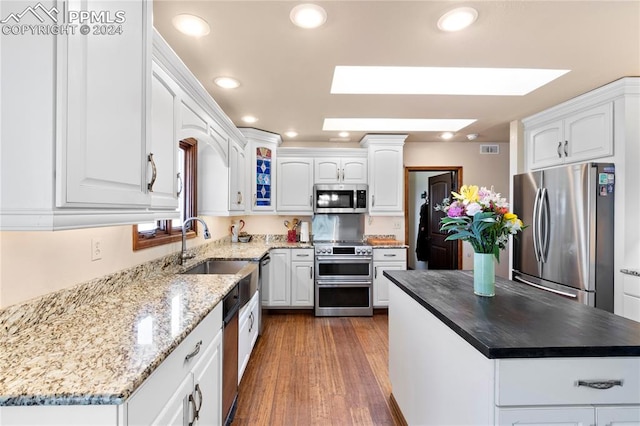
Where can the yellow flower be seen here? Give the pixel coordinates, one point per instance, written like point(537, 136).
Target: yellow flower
point(467, 193)
point(510, 216)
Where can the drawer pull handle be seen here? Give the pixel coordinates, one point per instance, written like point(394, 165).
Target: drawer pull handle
point(599, 384)
point(389, 255)
point(195, 351)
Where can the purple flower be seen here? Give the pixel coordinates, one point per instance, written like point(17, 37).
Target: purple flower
point(455, 210)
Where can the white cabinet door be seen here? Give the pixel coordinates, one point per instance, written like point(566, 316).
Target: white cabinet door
point(381, 283)
point(295, 185)
point(386, 180)
point(254, 327)
point(340, 170)
point(207, 378)
point(164, 140)
point(557, 416)
point(589, 134)
point(237, 172)
point(103, 99)
point(585, 135)
point(280, 279)
point(354, 170)
point(326, 170)
point(545, 145)
point(244, 340)
point(178, 410)
point(618, 416)
point(302, 288)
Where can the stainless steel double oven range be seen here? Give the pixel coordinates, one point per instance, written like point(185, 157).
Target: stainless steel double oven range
point(343, 266)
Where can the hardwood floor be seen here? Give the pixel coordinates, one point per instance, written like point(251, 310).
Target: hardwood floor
point(318, 371)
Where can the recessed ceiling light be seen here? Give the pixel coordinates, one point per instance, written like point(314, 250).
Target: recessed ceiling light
point(472, 136)
point(191, 25)
point(227, 82)
point(457, 19)
point(446, 136)
point(308, 15)
point(343, 134)
point(291, 134)
point(395, 124)
point(249, 119)
point(440, 80)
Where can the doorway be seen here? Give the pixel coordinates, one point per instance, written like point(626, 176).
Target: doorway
point(425, 187)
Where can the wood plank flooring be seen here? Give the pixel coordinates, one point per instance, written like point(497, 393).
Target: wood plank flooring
point(308, 370)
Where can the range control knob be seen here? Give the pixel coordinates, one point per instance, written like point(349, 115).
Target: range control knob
point(368, 250)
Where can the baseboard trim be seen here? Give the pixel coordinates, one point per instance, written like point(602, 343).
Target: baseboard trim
point(397, 413)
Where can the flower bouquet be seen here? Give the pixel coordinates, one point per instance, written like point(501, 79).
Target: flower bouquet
point(481, 217)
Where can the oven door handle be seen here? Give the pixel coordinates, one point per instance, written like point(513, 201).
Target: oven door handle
point(344, 284)
point(358, 259)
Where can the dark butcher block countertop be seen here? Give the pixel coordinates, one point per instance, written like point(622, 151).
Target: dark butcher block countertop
point(519, 321)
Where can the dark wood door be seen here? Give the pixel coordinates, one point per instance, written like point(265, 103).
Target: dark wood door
point(442, 254)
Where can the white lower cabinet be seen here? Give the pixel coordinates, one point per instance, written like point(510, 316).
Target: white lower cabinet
point(386, 259)
point(186, 389)
point(291, 282)
point(581, 416)
point(248, 332)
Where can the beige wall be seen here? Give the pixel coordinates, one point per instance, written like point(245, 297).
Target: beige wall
point(477, 169)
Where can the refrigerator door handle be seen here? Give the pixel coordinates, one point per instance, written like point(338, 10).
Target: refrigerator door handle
point(536, 249)
point(550, 290)
point(544, 239)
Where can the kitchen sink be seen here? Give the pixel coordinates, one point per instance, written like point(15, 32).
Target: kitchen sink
point(213, 266)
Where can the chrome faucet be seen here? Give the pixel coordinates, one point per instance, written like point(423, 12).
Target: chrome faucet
point(184, 256)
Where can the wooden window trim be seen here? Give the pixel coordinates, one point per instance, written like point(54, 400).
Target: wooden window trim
point(165, 233)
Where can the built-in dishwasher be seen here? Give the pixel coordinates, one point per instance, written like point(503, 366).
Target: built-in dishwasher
point(230, 308)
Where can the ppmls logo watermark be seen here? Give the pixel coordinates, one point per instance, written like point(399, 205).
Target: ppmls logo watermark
point(40, 20)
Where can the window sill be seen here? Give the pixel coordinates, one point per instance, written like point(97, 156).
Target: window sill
point(158, 240)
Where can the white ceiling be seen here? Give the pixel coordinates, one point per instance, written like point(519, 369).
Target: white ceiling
point(286, 72)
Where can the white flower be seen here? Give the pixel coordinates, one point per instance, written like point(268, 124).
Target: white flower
point(473, 208)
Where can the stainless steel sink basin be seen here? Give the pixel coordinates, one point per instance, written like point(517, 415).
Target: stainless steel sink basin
point(218, 267)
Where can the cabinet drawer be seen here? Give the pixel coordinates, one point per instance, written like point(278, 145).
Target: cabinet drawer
point(555, 381)
point(148, 400)
point(298, 255)
point(399, 254)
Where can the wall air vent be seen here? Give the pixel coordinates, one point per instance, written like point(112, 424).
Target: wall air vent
point(489, 149)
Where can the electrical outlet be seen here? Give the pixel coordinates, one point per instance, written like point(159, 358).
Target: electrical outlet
point(96, 249)
point(396, 225)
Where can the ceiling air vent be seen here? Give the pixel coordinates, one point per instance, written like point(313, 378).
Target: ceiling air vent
point(489, 149)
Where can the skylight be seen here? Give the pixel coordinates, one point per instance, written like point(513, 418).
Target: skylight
point(440, 80)
point(396, 124)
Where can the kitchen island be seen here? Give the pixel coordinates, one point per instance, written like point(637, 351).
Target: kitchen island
point(523, 356)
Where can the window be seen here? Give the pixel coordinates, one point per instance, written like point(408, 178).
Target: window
point(153, 234)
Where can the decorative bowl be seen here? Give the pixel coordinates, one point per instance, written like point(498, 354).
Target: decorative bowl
point(244, 238)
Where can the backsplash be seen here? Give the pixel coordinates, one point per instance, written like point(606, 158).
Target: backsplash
point(27, 314)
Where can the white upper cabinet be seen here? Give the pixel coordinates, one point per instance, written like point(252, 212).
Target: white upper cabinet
point(340, 170)
point(575, 131)
point(164, 141)
point(102, 110)
point(237, 173)
point(295, 185)
point(77, 135)
point(261, 155)
point(386, 173)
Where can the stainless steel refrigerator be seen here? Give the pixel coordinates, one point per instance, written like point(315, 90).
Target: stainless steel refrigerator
point(568, 247)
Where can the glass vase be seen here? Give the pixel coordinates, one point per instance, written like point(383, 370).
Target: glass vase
point(484, 274)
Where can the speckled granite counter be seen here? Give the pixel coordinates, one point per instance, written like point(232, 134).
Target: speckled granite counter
point(83, 345)
point(519, 321)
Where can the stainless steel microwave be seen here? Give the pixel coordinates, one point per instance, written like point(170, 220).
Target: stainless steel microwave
point(339, 198)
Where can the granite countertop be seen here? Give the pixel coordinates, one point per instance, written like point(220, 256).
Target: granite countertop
point(519, 321)
point(93, 351)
